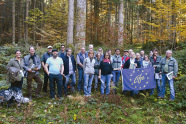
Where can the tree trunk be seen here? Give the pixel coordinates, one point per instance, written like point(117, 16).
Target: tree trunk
point(20, 22)
point(26, 24)
point(70, 27)
point(80, 25)
point(13, 21)
point(120, 24)
point(96, 14)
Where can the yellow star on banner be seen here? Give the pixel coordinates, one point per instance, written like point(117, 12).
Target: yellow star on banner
point(132, 84)
point(133, 71)
point(142, 70)
point(130, 79)
point(131, 75)
point(140, 87)
point(147, 77)
point(146, 73)
point(144, 86)
point(147, 82)
point(135, 86)
point(138, 70)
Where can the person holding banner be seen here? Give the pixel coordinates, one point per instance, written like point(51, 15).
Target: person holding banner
point(146, 62)
point(105, 73)
point(88, 68)
point(169, 69)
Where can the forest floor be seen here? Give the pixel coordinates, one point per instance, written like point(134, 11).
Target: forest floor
point(114, 108)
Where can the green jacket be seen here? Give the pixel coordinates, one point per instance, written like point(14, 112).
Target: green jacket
point(172, 65)
point(14, 63)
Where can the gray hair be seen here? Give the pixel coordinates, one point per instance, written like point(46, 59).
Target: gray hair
point(169, 51)
point(90, 45)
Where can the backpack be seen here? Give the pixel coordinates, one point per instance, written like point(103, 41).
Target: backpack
point(13, 75)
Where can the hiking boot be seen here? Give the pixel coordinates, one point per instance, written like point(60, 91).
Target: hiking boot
point(160, 97)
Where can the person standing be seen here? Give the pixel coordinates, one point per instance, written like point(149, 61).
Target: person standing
point(69, 69)
point(96, 68)
point(17, 63)
point(88, 68)
point(146, 62)
point(91, 48)
point(116, 65)
point(32, 65)
point(138, 60)
point(80, 59)
point(100, 50)
point(168, 65)
point(155, 60)
point(55, 72)
point(125, 57)
point(105, 73)
point(142, 55)
point(62, 52)
point(44, 58)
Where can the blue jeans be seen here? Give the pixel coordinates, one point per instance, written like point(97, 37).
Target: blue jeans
point(58, 79)
point(116, 74)
point(158, 84)
point(73, 78)
point(171, 86)
point(80, 80)
point(106, 78)
point(96, 81)
point(88, 84)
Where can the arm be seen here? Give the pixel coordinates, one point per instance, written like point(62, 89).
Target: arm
point(62, 69)
point(46, 68)
point(25, 66)
point(78, 61)
point(99, 74)
point(84, 64)
point(9, 65)
point(39, 63)
point(43, 65)
point(175, 72)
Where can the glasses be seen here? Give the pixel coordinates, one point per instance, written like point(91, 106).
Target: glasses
point(106, 55)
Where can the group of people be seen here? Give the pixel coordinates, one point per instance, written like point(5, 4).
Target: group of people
point(60, 67)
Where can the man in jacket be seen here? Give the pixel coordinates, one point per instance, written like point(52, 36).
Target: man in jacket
point(62, 53)
point(44, 58)
point(168, 65)
point(80, 59)
point(155, 60)
point(32, 65)
point(69, 69)
point(116, 65)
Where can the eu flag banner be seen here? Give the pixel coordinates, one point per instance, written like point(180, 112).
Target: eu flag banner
point(138, 79)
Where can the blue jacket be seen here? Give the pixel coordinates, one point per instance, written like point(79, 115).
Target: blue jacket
point(66, 64)
point(81, 58)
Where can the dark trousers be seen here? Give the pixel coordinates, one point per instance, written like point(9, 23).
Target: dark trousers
point(37, 79)
point(58, 79)
point(46, 78)
point(17, 84)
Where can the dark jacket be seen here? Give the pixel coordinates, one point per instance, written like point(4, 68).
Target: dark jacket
point(97, 66)
point(45, 57)
point(66, 64)
point(158, 59)
point(60, 54)
point(127, 64)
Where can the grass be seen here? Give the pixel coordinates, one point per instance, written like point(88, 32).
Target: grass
point(76, 108)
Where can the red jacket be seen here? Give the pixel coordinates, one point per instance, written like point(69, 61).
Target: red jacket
point(125, 60)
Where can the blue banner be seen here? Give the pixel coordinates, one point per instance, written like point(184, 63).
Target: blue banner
point(138, 79)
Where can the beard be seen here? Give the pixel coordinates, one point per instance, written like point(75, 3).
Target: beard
point(55, 55)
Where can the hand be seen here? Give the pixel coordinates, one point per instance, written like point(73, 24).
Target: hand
point(136, 65)
point(173, 77)
point(63, 75)
point(29, 70)
point(48, 74)
point(155, 66)
point(36, 69)
point(99, 77)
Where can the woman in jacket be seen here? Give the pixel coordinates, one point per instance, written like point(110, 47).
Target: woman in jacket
point(146, 62)
point(96, 68)
point(17, 62)
point(105, 73)
point(88, 68)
